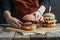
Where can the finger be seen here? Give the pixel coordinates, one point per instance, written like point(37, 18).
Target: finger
point(33, 13)
point(20, 22)
point(14, 25)
point(39, 16)
point(17, 23)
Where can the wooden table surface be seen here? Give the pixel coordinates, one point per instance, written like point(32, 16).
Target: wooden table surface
point(4, 35)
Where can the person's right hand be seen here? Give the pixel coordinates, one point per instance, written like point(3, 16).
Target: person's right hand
point(14, 22)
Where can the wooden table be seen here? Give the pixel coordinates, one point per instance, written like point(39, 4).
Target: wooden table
point(4, 35)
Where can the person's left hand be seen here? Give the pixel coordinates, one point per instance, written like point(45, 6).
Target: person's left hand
point(16, 23)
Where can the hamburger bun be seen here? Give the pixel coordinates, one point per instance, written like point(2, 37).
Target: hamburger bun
point(49, 18)
point(49, 25)
point(28, 17)
point(26, 28)
point(49, 15)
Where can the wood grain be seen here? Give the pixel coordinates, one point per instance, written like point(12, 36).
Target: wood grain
point(6, 35)
point(54, 34)
point(40, 30)
point(17, 36)
point(1, 29)
point(21, 37)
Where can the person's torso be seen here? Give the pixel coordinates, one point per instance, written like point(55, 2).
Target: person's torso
point(23, 7)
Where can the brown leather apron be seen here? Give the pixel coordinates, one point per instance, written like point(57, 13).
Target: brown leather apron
point(23, 7)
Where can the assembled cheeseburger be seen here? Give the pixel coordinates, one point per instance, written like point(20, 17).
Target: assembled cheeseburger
point(28, 22)
point(49, 20)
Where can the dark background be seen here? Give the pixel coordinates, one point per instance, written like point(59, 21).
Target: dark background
point(55, 9)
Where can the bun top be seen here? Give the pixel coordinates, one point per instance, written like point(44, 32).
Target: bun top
point(29, 17)
point(49, 15)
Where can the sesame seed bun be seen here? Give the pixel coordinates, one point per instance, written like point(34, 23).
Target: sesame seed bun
point(49, 25)
point(49, 15)
point(29, 17)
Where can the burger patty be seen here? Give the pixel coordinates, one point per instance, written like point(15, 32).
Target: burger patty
point(48, 23)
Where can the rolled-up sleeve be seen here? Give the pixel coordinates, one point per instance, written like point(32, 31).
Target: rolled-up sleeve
point(6, 5)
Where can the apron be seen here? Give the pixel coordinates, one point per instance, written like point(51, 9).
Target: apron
point(23, 7)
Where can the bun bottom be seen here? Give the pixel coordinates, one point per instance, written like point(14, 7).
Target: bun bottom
point(26, 28)
point(49, 25)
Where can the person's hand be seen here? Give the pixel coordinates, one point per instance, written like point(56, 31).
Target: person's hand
point(11, 20)
point(39, 13)
point(14, 22)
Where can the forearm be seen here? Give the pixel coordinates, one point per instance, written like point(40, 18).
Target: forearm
point(6, 8)
point(7, 14)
